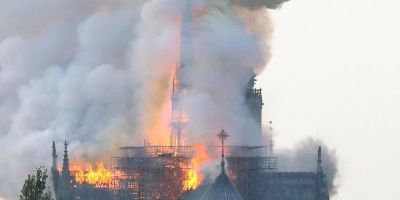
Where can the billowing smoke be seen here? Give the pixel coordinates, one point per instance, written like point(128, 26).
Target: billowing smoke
point(255, 4)
point(229, 47)
point(303, 157)
point(64, 74)
point(97, 73)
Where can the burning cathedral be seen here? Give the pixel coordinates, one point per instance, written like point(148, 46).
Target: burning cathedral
point(156, 172)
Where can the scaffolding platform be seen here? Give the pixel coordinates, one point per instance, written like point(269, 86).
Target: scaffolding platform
point(166, 172)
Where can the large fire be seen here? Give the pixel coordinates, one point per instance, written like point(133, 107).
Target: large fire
point(194, 175)
point(98, 176)
point(156, 126)
point(201, 157)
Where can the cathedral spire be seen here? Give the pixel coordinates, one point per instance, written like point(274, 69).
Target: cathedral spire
point(319, 161)
point(54, 156)
point(322, 187)
point(66, 185)
point(65, 168)
point(179, 118)
point(222, 188)
point(222, 135)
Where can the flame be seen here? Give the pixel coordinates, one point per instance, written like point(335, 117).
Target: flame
point(201, 157)
point(99, 176)
point(193, 179)
point(156, 124)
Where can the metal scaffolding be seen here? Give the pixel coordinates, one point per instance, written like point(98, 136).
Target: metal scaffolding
point(162, 172)
point(245, 165)
point(151, 172)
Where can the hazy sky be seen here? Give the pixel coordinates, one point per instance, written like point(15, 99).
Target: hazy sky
point(335, 71)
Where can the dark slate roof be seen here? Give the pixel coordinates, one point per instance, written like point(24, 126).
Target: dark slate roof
point(222, 189)
point(289, 186)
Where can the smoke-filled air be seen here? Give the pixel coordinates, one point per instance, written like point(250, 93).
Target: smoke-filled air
point(98, 74)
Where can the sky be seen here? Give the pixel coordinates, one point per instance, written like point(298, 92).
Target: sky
point(335, 76)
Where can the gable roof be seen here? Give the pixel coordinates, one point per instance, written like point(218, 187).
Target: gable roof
point(222, 189)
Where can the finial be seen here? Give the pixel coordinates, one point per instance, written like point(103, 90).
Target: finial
point(222, 135)
point(65, 147)
point(319, 161)
point(53, 147)
point(319, 155)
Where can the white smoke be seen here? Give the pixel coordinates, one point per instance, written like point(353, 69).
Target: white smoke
point(228, 48)
point(303, 158)
point(92, 72)
point(64, 74)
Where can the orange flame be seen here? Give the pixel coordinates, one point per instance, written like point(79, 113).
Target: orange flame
point(156, 126)
point(99, 176)
point(193, 179)
point(201, 157)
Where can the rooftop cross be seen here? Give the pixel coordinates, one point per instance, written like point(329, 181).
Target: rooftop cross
point(222, 135)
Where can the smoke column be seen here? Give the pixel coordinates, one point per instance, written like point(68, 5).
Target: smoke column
point(97, 73)
point(64, 75)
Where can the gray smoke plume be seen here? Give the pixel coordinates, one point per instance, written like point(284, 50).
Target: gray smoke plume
point(229, 48)
point(303, 157)
point(97, 73)
point(255, 4)
point(63, 75)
